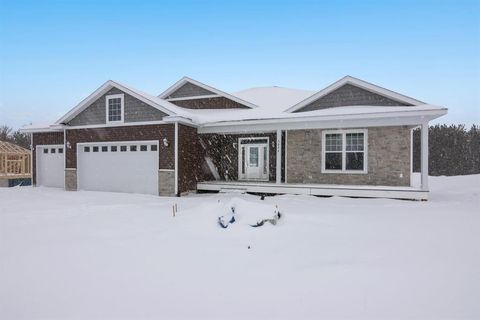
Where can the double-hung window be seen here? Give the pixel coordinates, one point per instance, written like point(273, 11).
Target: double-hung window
point(114, 108)
point(344, 151)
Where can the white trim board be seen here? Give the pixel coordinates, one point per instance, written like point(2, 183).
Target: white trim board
point(207, 96)
point(358, 83)
point(316, 189)
point(184, 80)
point(323, 122)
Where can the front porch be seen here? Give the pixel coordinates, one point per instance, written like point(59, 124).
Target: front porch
point(410, 193)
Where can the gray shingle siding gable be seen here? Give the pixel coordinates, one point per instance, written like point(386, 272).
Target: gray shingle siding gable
point(350, 95)
point(189, 90)
point(134, 111)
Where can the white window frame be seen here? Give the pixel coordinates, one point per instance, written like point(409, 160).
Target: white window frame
point(115, 96)
point(344, 151)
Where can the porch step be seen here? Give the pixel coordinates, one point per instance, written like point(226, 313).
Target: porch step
point(232, 190)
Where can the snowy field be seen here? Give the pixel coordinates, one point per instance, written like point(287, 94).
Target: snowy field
point(89, 255)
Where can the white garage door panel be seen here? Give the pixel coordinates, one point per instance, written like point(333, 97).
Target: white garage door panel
point(50, 166)
point(101, 169)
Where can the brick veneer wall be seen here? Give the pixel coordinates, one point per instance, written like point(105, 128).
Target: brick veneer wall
point(126, 133)
point(349, 95)
point(43, 138)
point(209, 103)
point(192, 166)
point(388, 158)
point(223, 149)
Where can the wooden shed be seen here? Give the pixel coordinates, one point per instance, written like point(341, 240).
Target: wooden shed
point(15, 162)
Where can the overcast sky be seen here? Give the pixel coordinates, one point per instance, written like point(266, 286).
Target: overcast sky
point(55, 53)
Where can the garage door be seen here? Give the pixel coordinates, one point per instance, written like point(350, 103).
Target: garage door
point(50, 166)
point(130, 167)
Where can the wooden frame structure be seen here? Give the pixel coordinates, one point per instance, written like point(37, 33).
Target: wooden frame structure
point(15, 161)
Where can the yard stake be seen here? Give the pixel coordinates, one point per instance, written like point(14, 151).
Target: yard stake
point(173, 210)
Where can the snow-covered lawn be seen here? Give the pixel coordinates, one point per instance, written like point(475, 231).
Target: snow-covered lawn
point(89, 255)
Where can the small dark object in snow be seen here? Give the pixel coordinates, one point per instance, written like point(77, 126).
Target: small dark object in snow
point(248, 247)
point(232, 219)
point(273, 221)
point(262, 197)
point(220, 222)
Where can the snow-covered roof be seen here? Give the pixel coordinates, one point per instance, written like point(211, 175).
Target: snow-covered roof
point(203, 117)
point(273, 98)
point(267, 104)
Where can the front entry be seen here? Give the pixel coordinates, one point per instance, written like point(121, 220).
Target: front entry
point(253, 159)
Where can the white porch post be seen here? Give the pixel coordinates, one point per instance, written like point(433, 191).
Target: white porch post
point(279, 157)
point(424, 156)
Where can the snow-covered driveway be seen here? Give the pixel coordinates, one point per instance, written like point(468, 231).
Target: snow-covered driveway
point(88, 255)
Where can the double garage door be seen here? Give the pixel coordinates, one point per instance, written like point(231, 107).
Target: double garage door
point(118, 167)
point(115, 166)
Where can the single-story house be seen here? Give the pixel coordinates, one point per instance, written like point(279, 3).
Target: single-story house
point(352, 138)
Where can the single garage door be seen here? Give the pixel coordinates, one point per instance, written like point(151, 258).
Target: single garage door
point(130, 167)
point(50, 166)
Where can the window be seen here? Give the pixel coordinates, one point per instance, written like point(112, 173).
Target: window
point(113, 148)
point(143, 148)
point(86, 149)
point(153, 147)
point(265, 161)
point(133, 148)
point(60, 150)
point(253, 155)
point(95, 149)
point(243, 160)
point(123, 148)
point(104, 149)
point(53, 150)
point(45, 150)
point(344, 151)
point(115, 108)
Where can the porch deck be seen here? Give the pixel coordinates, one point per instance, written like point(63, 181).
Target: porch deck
point(410, 193)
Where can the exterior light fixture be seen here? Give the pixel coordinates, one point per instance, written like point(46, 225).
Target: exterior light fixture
point(68, 145)
point(165, 142)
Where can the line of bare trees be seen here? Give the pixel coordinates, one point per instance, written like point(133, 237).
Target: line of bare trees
point(16, 137)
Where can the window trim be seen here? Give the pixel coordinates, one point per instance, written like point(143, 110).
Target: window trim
point(243, 176)
point(122, 107)
point(344, 151)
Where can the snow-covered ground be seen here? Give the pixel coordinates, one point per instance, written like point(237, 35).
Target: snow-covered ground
point(89, 255)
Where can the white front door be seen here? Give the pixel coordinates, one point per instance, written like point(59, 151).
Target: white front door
point(253, 160)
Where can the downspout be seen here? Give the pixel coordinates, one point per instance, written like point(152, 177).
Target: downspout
point(65, 159)
point(176, 159)
point(31, 159)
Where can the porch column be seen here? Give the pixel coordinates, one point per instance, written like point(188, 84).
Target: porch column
point(424, 155)
point(279, 157)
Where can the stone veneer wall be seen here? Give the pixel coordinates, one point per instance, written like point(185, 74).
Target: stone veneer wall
point(388, 158)
point(166, 183)
point(70, 179)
